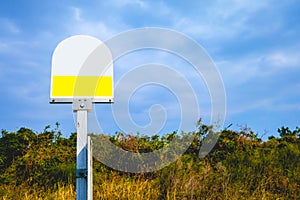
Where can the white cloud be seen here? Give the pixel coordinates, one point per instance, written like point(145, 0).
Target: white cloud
point(283, 59)
point(258, 65)
point(230, 9)
point(250, 81)
point(122, 3)
point(77, 13)
point(98, 29)
point(80, 24)
point(223, 20)
point(9, 26)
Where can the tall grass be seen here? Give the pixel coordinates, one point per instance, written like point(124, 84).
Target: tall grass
point(25, 192)
point(180, 181)
point(126, 188)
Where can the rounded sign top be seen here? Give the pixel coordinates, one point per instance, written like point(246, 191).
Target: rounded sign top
point(81, 68)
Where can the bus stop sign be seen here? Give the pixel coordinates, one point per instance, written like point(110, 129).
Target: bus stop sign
point(82, 68)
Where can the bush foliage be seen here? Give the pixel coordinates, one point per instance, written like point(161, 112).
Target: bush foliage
point(240, 166)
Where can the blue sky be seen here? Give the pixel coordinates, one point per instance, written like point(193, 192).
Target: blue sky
point(255, 46)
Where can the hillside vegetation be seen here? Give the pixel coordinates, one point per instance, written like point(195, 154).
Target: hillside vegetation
point(240, 166)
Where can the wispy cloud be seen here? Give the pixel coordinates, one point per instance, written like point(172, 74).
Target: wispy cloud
point(123, 3)
point(283, 60)
point(8, 26)
point(222, 21)
point(261, 64)
point(80, 24)
point(77, 13)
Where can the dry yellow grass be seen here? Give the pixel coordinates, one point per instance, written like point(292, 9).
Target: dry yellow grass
point(116, 188)
point(61, 192)
point(124, 188)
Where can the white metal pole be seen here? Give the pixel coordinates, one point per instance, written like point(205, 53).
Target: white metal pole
point(81, 159)
point(90, 169)
point(84, 170)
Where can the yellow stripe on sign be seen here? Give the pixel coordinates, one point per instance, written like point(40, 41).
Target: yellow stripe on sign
point(69, 86)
